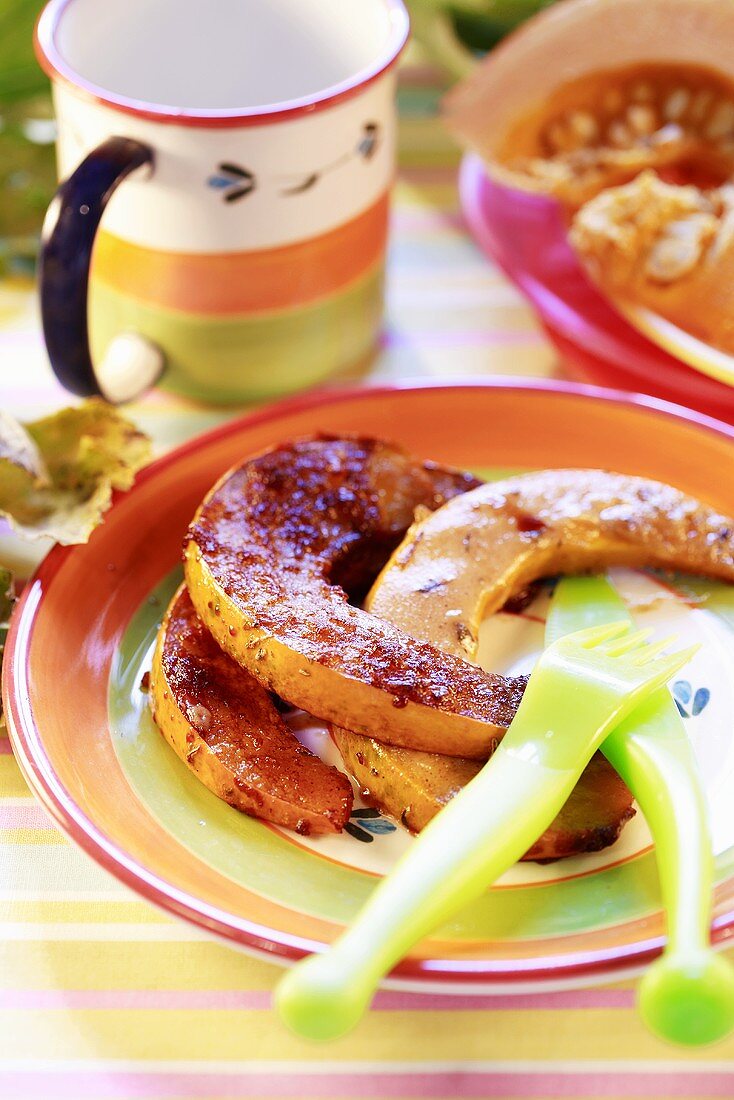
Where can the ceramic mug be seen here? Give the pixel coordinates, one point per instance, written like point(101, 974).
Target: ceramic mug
point(242, 153)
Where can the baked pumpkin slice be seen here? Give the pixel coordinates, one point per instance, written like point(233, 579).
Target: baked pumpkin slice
point(227, 729)
point(413, 786)
point(183, 702)
point(274, 553)
point(463, 563)
point(226, 726)
point(277, 546)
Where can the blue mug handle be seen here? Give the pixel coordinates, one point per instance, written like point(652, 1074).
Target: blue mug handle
point(67, 241)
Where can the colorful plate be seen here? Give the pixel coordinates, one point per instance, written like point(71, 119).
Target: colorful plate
point(80, 728)
point(525, 234)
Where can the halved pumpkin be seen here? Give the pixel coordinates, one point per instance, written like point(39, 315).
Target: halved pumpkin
point(623, 110)
point(590, 92)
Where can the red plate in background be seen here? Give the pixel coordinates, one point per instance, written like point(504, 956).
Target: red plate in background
point(525, 235)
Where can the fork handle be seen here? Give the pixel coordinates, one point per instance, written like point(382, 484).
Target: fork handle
point(687, 995)
point(663, 775)
point(482, 832)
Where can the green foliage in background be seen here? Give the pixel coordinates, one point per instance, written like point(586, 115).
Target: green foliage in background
point(27, 169)
point(481, 26)
point(20, 76)
point(453, 33)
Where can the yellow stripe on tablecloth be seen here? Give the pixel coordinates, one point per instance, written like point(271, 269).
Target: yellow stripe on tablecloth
point(63, 911)
point(252, 1067)
point(105, 965)
point(94, 931)
point(45, 835)
point(12, 783)
point(416, 193)
point(183, 966)
point(414, 1038)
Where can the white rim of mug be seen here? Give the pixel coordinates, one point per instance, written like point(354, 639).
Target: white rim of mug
point(60, 71)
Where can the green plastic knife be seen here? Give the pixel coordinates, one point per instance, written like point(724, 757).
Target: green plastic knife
point(687, 995)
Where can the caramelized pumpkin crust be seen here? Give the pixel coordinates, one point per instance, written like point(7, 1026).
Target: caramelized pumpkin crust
point(276, 546)
point(225, 726)
point(273, 552)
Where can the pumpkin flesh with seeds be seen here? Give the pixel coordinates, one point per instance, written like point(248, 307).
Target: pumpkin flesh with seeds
point(622, 90)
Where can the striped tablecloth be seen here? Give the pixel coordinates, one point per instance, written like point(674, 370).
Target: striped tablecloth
point(102, 996)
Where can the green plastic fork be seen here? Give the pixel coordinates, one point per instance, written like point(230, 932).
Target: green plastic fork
point(582, 686)
point(687, 995)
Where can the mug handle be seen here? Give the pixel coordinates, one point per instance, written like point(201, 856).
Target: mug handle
point(132, 363)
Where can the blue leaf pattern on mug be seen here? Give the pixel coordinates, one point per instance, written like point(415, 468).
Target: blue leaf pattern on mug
point(233, 181)
point(368, 144)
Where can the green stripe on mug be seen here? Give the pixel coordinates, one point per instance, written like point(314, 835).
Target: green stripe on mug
point(251, 357)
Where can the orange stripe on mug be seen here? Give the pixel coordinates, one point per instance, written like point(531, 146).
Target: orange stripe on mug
point(243, 282)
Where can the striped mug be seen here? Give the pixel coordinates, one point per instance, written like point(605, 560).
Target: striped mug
point(223, 216)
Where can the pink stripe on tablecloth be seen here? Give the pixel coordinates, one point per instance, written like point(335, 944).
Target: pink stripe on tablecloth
point(387, 1000)
point(676, 1084)
point(25, 817)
